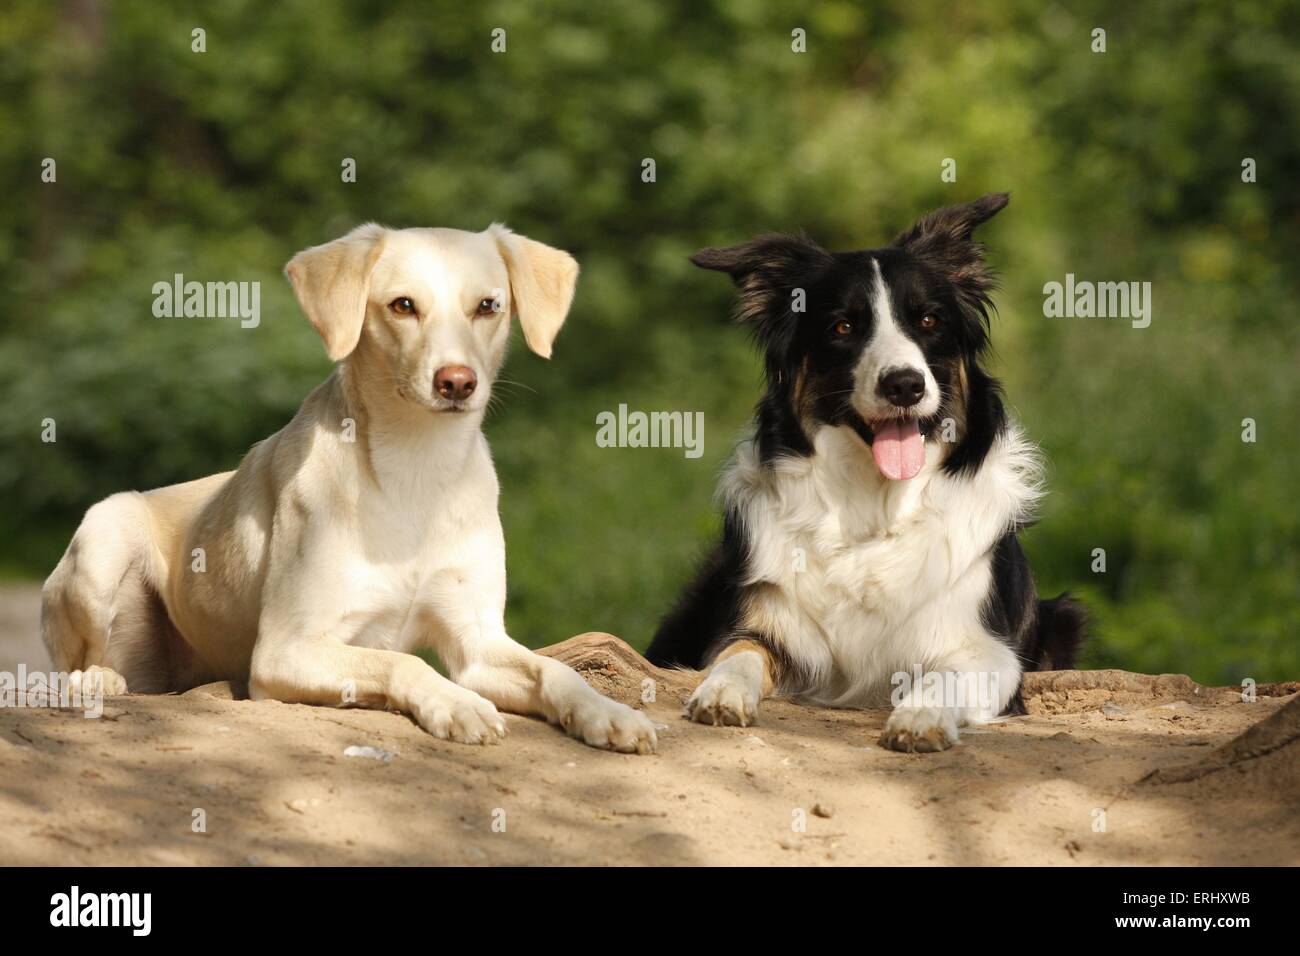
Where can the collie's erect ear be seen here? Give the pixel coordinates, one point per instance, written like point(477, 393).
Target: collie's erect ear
point(332, 283)
point(766, 270)
point(542, 281)
point(943, 238)
point(955, 224)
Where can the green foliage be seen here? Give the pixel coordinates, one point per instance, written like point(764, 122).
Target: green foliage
point(1123, 165)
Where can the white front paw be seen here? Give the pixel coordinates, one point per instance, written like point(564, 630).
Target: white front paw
point(724, 698)
point(600, 722)
point(920, 729)
point(464, 717)
point(96, 681)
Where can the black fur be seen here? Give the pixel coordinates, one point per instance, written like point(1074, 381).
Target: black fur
point(708, 612)
point(933, 269)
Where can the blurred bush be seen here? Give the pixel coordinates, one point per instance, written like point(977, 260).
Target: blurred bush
point(1123, 165)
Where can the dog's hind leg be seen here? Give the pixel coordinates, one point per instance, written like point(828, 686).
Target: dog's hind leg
point(100, 614)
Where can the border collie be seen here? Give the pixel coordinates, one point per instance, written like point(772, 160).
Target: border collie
point(869, 551)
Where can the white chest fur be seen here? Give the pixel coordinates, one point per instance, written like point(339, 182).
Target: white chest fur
point(858, 576)
point(426, 535)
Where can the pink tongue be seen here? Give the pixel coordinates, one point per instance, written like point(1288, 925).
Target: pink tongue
point(898, 448)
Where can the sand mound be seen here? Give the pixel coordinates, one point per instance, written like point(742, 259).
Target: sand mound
point(1108, 767)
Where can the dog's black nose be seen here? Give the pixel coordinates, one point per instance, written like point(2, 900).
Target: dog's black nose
point(455, 382)
point(903, 387)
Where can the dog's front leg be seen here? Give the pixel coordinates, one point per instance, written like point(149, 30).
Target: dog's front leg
point(522, 682)
point(319, 670)
point(296, 659)
point(480, 656)
point(970, 683)
point(742, 674)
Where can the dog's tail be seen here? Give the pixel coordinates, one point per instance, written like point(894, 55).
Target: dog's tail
point(1060, 631)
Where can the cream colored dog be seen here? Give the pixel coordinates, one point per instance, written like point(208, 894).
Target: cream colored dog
point(364, 529)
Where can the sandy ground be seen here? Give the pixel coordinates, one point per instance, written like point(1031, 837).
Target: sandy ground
point(1109, 768)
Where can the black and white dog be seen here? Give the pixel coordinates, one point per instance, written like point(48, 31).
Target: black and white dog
point(869, 551)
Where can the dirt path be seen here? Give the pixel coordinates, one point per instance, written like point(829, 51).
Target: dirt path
point(1161, 758)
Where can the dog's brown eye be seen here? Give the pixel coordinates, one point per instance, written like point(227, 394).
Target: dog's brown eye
point(929, 322)
point(402, 306)
point(842, 328)
point(486, 307)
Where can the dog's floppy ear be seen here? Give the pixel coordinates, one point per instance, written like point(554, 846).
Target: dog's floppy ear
point(542, 280)
point(766, 270)
point(944, 239)
point(332, 283)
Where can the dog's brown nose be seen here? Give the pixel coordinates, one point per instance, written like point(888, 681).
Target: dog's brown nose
point(455, 382)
